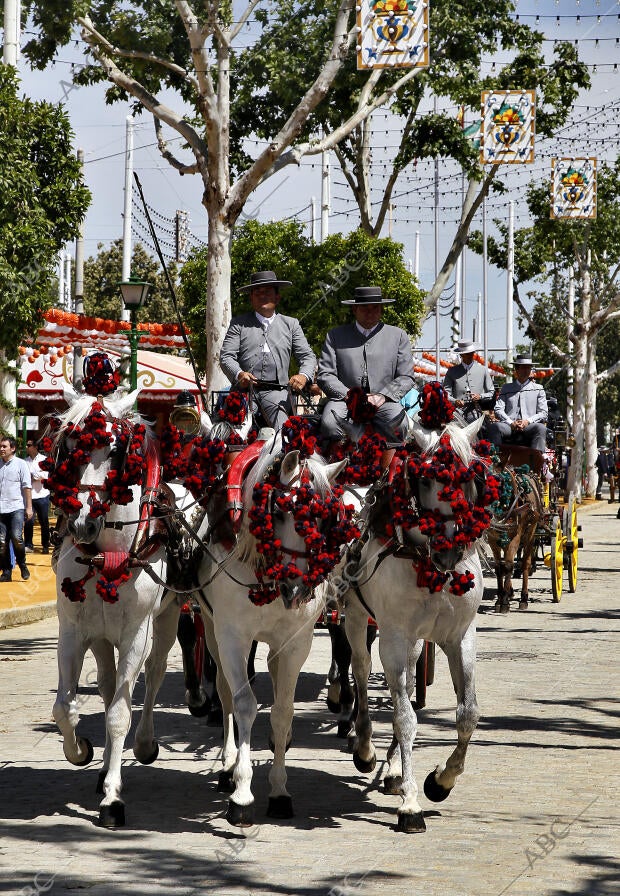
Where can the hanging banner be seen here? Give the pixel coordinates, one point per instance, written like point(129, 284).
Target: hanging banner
point(392, 34)
point(573, 188)
point(508, 126)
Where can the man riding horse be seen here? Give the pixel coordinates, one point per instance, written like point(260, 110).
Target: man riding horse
point(521, 409)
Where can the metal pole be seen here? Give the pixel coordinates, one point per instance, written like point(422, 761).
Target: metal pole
point(456, 315)
point(570, 391)
point(126, 270)
point(10, 52)
point(485, 277)
point(325, 196)
point(79, 256)
point(313, 218)
point(68, 281)
point(416, 256)
point(510, 272)
point(61, 278)
point(134, 338)
point(436, 219)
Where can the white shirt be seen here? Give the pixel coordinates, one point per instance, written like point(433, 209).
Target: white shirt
point(265, 323)
point(14, 477)
point(39, 476)
point(364, 332)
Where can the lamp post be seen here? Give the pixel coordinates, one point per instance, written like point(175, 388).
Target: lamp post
point(134, 292)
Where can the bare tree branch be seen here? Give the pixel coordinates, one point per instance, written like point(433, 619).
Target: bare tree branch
point(162, 145)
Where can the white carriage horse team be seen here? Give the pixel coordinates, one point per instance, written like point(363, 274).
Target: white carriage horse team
point(257, 532)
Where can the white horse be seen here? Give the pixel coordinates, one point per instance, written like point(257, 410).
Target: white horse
point(125, 619)
point(286, 624)
point(386, 586)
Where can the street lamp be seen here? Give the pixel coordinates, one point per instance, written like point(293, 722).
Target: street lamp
point(134, 292)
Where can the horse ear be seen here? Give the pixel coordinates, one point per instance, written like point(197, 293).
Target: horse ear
point(123, 406)
point(333, 471)
point(472, 429)
point(424, 438)
point(289, 468)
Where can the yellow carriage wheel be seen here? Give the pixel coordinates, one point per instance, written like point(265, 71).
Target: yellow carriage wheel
point(572, 544)
point(557, 559)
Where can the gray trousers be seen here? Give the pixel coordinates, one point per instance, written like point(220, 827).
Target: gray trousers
point(534, 435)
point(273, 405)
point(388, 420)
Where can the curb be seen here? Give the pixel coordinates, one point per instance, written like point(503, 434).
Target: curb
point(24, 615)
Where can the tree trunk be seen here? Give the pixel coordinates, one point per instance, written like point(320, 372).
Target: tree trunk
point(218, 297)
point(8, 391)
point(579, 337)
point(591, 447)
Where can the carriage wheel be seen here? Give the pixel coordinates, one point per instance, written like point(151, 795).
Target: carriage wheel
point(572, 543)
point(557, 559)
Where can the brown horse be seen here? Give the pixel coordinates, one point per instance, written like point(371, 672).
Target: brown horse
point(514, 524)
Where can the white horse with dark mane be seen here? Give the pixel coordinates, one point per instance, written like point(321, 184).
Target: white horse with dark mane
point(107, 600)
point(385, 584)
point(286, 623)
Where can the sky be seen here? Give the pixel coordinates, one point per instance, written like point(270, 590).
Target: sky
point(593, 130)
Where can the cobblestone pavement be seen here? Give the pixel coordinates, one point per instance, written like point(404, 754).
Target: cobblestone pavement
point(534, 813)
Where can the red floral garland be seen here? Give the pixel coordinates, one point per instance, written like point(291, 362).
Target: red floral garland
point(471, 517)
point(100, 378)
point(360, 409)
point(309, 510)
point(234, 409)
point(365, 458)
point(437, 409)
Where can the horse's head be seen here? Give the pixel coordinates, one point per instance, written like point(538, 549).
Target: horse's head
point(444, 490)
point(97, 465)
point(293, 506)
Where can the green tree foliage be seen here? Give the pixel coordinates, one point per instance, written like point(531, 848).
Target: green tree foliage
point(103, 273)
point(271, 75)
point(42, 201)
point(322, 276)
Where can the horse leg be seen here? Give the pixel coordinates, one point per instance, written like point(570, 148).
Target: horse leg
point(347, 697)
point(394, 651)
point(132, 652)
point(195, 696)
point(233, 657)
point(225, 783)
point(291, 657)
point(527, 564)
point(165, 627)
point(462, 661)
point(71, 650)
point(103, 652)
point(393, 780)
point(251, 662)
point(333, 676)
point(507, 569)
point(356, 625)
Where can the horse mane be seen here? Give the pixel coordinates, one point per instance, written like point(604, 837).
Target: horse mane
point(79, 410)
point(458, 441)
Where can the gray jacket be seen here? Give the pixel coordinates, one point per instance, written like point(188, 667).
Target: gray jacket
point(242, 348)
point(521, 401)
point(477, 380)
point(348, 359)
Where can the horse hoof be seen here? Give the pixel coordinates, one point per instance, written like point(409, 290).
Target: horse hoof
point(280, 807)
point(434, 791)
point(225, 783)
point(523, 605)
point(411, 823)
point(351, 743)
point(100, 782)
point(505, 607)
point(333, 707)
point(199, 710)
point(240, 816)
point(364, 765)
point(149, 759)
point(392, 784)
point(112, 816)
point(344, 729)
point(87, 747)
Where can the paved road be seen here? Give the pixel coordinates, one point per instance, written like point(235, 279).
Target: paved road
point(534, 813)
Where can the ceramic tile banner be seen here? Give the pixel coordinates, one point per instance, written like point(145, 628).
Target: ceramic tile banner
point(573, 188)
point(392, 34)
point(508, 127)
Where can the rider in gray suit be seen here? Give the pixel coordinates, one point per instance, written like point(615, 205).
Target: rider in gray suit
point(257, 349)
point(468, 381)
point(521, 407)
point(369, 354)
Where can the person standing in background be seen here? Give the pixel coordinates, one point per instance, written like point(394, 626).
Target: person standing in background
point(40, 499)
point(15, 503)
